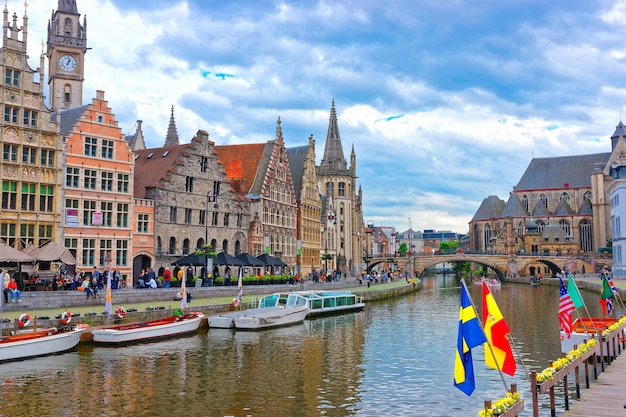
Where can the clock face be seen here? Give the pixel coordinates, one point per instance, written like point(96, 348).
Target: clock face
point(67, 63)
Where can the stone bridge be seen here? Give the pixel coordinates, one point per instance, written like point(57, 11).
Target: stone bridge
point(500, 264)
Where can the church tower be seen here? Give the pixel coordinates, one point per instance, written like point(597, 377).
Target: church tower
point(67, 45)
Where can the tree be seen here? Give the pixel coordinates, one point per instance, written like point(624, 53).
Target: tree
point(403, 248)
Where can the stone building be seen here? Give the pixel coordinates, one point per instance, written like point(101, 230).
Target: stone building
point(31, 169)
point(308, 203)
point(260, 173)
point(338, 180)
point(194, 204)
point(98, 213)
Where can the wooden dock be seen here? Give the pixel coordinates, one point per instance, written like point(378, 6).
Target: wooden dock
point(605, 397)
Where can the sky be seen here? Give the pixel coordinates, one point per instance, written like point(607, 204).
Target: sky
point(445, 102)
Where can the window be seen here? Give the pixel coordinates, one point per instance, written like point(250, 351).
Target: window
point(122, 183)
point(10, 114)
point(226, 215)
point(341, 189)
point(106, 182)
point(27, 231)
point(12, 77)
point(107, 213)
point(121, 252)
point(543, 199)
point(90, 179)
point(204, 163)
point(28, 197)
point(91, 145)
point(189, 184)
point(330, 189)
point(89, 208)
point(45, 232)
point(100, 119)
point(107, 149)
point(172, 246)
point(239, 220)
point(67, 93)
point(187, 216)
point(9, 195)
point(105, 249)
point(202, 217)
point(28, 155)
point(586, 236)
point(30, 118)
point(143, 220)
point(89, 251)
point(7, 233)
point(71, 177)
point(46, 198)
point(214, 219)
point(122, 215)
point(9, 153)
point(173, 214)
point(71, 203)
point(185, 246)
point(47, 157)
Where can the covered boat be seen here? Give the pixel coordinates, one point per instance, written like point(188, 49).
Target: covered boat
point(288, 309)
point(332, 302)
point(583, 329)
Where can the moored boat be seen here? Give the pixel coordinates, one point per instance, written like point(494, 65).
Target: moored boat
point(149, 330)
point(38, 342)
point(331, 302)
point(535, 280)
point(583, 329)
point(294, 311)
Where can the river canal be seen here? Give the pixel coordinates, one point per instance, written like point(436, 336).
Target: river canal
point(395, 358)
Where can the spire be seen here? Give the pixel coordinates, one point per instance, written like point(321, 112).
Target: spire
point(171, 138)
point(67, 6)
point(279, 132)
point(333, 159)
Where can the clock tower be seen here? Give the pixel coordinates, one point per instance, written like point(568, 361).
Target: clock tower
point(67, 45)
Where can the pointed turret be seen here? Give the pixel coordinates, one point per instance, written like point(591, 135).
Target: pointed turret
point(620, 131)
point(171, 138)
point(333, 159)
point(279, 132)
point(67, 6)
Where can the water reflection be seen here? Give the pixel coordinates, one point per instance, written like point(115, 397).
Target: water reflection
point(395, 358)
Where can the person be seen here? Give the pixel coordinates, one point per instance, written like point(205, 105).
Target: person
point(94, 286)
point(6, 278)
point(96, 274)
point(59, 283)
point(116, 279)
point(86, 287)
point(152, 283)
point(141, 281)
point(190, 280)
point(180, 275)
point(167, 277)
point(227, 276)
point(15, 293)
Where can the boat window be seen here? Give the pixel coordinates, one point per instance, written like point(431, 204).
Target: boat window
point(268, 301)
point(294, 300)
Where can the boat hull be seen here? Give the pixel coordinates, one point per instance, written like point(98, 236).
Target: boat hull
point(272, 317)
point(150, 330)
point(39, 343)
point(584, 329)
point(335, 310)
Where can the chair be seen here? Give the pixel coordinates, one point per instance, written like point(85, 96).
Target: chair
point(198, 283)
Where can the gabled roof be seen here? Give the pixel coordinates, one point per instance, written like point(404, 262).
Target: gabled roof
point(514, 207)
point(586, 208)
point(561, 172)
point(540, 209)
point(152, 166)
point(297, 159)
point(490, 208)
point(69, 117)
point(563, 209)
point(620, 130)
point(241, 161)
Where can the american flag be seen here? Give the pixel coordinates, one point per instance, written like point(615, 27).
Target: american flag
point(609, 306)
point(566, 306)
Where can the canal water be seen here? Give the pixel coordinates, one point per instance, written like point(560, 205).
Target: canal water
point(395, 358)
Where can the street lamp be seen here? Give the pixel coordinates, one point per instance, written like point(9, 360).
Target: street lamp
point(210, 198)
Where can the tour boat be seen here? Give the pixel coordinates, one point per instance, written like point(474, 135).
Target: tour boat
point(583, 329)
point(330, 302)
point(227, 320)
point(149, 330)
point(38, 342)
point(294, 310)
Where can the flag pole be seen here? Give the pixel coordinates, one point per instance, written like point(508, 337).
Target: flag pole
point(480, 323)
point(593, 324)
point(519, 356)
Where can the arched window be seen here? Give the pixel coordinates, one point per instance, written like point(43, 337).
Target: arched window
point(185, 246)
point(520, 229)
point(586, 236)
point(67, 93)
point(237, 247)
point(587, 195)
point(225, 245)
point(487, 235)
point(541, 225)
point(341, 189)
point(565, 196)
point(525, 201)
point(543, 199)
point(172, 246)
point(330, 189)
point(199, 243)
point(566, 227)
point(213, 243)
point(159, 245)
point(476, 236)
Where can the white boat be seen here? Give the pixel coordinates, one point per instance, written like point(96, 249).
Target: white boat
point(46, 341)
point(584, 329)
point(331, 302)
point(294, 311)
point(149, 330)
point(227, 320)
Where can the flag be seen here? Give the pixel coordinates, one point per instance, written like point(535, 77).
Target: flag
point(470, 335)
point(566, 306)
point(496, 329)
point(183, 295)
point(240, 287)
point(108, 305)
point(574, 294)
point(612, 285)
point(606, 297)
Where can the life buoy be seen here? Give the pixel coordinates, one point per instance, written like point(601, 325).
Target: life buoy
point(121, 312)
point(24, 320)
point(66, 317)
point(235, 302)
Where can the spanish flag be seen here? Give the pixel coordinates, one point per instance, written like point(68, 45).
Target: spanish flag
point(496, 330)
point(470, 335)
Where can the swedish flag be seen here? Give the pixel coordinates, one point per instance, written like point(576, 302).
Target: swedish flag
point(470, 336)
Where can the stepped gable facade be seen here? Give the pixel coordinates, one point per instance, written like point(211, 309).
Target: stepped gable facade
point(308, 206)
point(260, 174)
point(31, 168)
point(193, 200)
